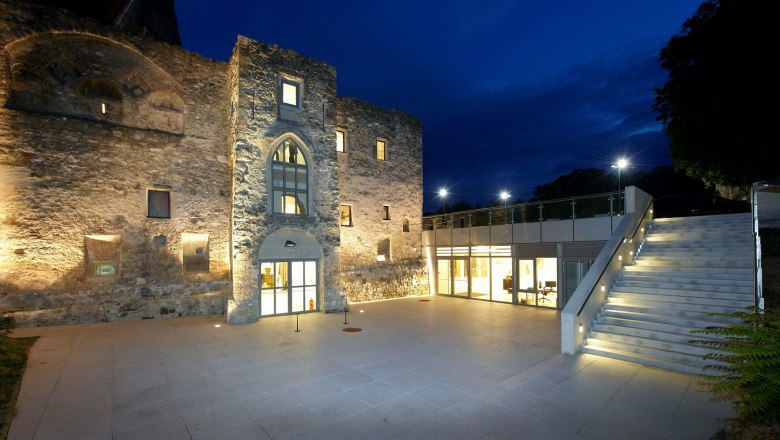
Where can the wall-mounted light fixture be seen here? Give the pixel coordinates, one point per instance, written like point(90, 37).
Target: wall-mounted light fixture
point(581, 328)
point(289, 243)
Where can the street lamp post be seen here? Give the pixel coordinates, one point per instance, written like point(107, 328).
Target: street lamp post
point(504, 195)
point(442, 195)
point(620, 164)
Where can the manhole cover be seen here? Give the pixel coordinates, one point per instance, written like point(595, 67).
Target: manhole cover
point(351, 329)
point(423, 300)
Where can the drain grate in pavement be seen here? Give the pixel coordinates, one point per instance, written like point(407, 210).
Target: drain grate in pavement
point(423, 300)
point(352, 329)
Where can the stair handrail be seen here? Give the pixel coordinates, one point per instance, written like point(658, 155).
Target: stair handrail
point(618, 249)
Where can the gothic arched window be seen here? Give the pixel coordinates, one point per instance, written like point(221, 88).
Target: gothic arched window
point(290, 180)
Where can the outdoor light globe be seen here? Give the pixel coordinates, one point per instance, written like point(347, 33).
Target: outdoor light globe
point(443, 192)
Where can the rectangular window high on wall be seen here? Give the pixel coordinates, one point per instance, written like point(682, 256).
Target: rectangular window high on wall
point(386, 212)
point(158, 204)
point(381, 146)
point(290, 93)
point(341, 141)
point(346, 215)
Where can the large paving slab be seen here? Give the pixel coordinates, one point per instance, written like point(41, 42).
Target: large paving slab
point(445, 368)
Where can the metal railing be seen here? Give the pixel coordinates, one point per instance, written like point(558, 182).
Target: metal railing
point(596, 205)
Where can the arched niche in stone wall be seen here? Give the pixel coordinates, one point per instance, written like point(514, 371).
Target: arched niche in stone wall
point(290, 244)
point(86, 76)
point(166, 112)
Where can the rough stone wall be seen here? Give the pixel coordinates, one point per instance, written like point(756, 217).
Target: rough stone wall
point(258, 130)
point(367, 184)
point(69, 170)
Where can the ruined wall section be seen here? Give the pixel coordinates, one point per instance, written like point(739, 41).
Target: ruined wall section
point(260, 125)
point(367, 184)
point(78, 178)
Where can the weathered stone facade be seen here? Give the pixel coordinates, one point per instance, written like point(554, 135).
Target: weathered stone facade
point(369, 185)
point(100, 129)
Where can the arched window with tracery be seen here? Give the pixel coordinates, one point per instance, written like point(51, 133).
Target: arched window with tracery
point(290, 180)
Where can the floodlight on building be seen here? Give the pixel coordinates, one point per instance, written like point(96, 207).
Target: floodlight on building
point(289, 243)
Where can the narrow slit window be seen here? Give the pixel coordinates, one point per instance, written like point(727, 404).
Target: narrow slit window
point(386, 212)
point(341, 141)
point(346, 215)
point(380, 149)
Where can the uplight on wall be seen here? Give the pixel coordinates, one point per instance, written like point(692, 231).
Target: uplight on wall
point(603, 288)
point(582, 329)
point(103, 107)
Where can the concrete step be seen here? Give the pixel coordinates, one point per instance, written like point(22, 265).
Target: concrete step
point(680, 338)
point(715, 277)
point(653, 326)
point(642, 360)
point(711, 262)
point(705, 271)
point(652, 251)
point(727, 299)
point(667, 308)
point(677, 351)
point(650, 280)
point(683, 285)
point(698, 322)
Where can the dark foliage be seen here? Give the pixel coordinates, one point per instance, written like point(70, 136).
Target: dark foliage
point(748, 365)
point(719, 104)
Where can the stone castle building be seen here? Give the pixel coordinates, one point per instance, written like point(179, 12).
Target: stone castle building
point(140, 180)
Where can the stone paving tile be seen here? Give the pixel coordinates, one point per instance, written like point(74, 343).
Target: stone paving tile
point(447, 368)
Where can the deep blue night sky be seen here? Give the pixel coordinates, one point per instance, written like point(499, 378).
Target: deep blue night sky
point(511, 94)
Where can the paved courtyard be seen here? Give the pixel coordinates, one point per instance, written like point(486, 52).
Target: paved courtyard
point(440, 369)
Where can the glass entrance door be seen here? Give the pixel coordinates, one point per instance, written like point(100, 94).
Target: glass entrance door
point(460, 276)
point(443, 284)
point(575, 271)
point(288, 287)
point(526, 282)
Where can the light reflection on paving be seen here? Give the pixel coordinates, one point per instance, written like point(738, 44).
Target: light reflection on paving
point(445, 368)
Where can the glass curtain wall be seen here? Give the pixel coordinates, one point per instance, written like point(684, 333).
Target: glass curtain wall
point(479, 272)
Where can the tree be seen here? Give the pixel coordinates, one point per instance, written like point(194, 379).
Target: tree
point(719, 105)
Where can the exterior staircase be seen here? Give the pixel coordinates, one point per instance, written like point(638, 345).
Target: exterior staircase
point(687, 268)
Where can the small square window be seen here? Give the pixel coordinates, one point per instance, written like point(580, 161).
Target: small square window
point(380, 149)
point(340, 141)
point(290, 93)
point(386, 212)
point(159, 204)
point(346, 215)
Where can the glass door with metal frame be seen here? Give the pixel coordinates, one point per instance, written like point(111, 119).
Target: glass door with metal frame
point(575, 270)
point(460, 277)
point(288, 287)
point(443, 279)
